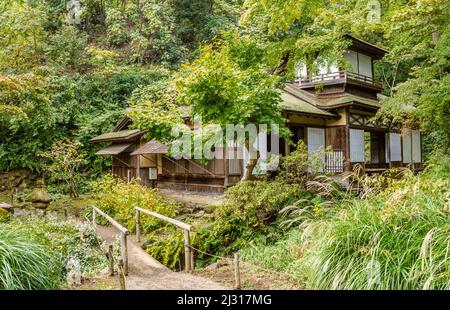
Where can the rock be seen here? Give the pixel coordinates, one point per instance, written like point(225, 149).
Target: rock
point(12, 179)
point(199, 214)
point(23, 185)
point(40, 195)
point(40, 198)
point(7, 207)
point(5, 216)
point(217, 265)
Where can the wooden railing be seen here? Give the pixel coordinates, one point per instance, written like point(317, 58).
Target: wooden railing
point(189, 258)
point(334, 161)
point(123, 234)
point(340, 76)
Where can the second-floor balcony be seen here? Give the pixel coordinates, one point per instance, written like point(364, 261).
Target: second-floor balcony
point(339, 77)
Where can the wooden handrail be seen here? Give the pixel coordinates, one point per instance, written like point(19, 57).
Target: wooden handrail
point(167, 219)
point(123, 234)
point(188, 257)
point(111, 220)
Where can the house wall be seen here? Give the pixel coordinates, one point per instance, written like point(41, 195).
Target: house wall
point(337, 137)
point(304, 120)
point(338, 122)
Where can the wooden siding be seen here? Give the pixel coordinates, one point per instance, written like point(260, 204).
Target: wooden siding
point(336, 137)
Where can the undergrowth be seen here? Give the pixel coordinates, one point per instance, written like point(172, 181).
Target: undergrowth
point(118, 199)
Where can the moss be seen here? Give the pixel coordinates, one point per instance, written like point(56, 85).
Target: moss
point(5, 216)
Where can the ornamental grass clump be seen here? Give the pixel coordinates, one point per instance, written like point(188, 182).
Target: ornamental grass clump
point(399, 239)
point(25, 264)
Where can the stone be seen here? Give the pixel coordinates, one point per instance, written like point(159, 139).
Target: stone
point(40, 195)
point(12, 179)
point(217, 265)
point(7, 207)
point(40, 198)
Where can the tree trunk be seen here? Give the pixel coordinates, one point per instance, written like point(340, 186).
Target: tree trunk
point(436, 36)
point(72, 189)
point(254, 156)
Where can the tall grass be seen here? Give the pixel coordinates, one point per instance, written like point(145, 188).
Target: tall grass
point(392, 238)
point(24, 263)
point(399, 239)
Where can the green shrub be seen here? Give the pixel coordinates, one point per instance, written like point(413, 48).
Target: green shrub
point(249, 213)
point(167, 246)
point(26, 264)
point(119, 199)
point(399, 239)
point(70, 240)
point(250, 210)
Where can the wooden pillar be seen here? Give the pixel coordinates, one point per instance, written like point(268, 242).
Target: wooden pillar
point(124, 250)
point(237, 273)
point(111, 260)
point(138, 226)
point(138, 168)
point(121, 275)
point(225, 165)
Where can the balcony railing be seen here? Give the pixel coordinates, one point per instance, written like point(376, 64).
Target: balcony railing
point(338, 77)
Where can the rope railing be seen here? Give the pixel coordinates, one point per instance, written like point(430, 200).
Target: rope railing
point(236, 261)
point(189, 249)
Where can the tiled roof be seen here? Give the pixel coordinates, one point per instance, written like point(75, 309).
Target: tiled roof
point(330, 102)
point(290, 102)
point(123, 135)
point(114, 149)
point(151, 147)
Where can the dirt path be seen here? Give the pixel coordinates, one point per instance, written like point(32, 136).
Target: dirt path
point(146, 273)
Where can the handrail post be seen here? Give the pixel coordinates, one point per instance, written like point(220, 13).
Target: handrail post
point(94, 218)
point(187, 251)
point(138, 226)
point(124, 251)
point(237, 273)
point(111, 260)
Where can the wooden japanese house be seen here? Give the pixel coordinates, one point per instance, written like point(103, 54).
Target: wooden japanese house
point(332, 107)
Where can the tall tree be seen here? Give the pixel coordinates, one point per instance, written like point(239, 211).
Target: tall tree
point(228, 84)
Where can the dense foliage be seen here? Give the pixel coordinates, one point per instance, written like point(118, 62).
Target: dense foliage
point(119, 199)
point(69, 82)
point(36, 253)
point(414, 73)
point(73, 81)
